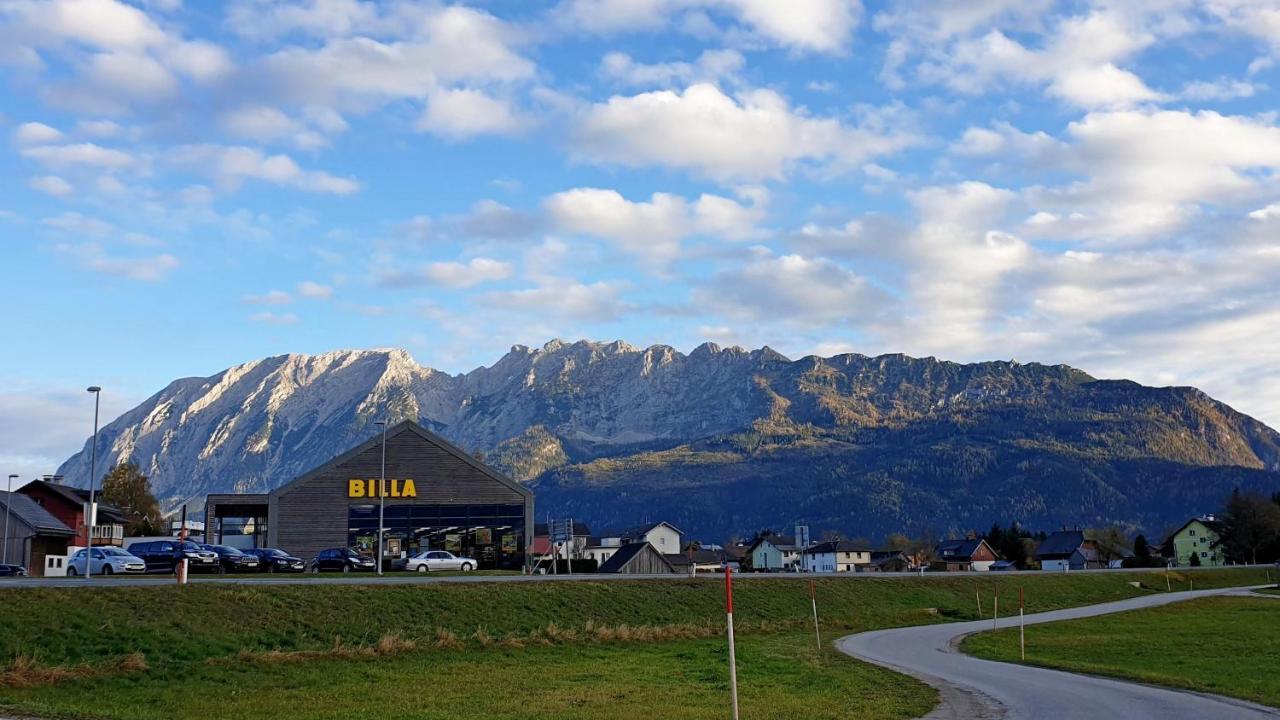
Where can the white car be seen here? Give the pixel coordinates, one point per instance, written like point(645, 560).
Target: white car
point(429, 560)
point(106, 561)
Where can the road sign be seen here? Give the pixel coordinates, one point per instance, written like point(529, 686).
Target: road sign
point(561, 531)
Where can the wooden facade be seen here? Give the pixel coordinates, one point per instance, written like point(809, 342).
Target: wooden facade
point(310, 513)
point(638, 559)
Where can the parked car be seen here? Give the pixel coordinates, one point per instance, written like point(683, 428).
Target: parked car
point(105, 561)
point(164, 556)
point(341, 560)
point(12, 570)
point(431, 560)
point(274, 560)
point(233, 559)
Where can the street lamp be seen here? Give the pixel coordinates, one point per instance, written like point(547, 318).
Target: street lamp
point(93, 470)
point(8, 500)
point(382, 492)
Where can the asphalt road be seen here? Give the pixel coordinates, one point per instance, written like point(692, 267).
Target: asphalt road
point(401, 578)
point(983, 689)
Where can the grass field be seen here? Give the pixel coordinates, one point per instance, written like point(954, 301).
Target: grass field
point(1228, 646)
point(553, 650)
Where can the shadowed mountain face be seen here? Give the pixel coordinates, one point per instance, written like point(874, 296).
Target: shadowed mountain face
point(724, 441)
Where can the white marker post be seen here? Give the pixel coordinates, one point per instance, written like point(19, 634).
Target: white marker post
point(995, 612)
point(978, 594)
point(182, 540)
point(1167, 586)
point(733, 659)
point(813, 596)
point(1022, 624)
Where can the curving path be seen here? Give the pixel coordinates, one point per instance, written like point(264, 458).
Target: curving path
point(971, 688)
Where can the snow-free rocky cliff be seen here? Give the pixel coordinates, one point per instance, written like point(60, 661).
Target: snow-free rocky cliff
point(723, 440)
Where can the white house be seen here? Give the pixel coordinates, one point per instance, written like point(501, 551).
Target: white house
point(835, 556)
point(663, 536)
point(773, 553)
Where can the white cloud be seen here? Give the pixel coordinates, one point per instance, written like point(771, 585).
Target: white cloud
point(1270, 212)
point(706, 131)
point(269, 318)
point(52, 185)
point(315, 290)
point(492, 219)
point(264, 123)
point(651, 230)
point(231, 165)
point(34, 133)
point(794, 290)
point(448, 274)
point(463, 113)
point(76, 224)
point(100, 24)
point(87, 154)
point(711, 66)
point(272, 297)
point(1077, 60)
point(563, 298)
point(453, 44)
point(824, 26)
point(93, 256)
point(1218, 90)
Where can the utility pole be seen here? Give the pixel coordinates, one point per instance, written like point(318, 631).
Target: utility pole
point(91, 517)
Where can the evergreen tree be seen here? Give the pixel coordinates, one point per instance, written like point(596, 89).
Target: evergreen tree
point(128, 489)
point(1141, 550)
point(1250, 525)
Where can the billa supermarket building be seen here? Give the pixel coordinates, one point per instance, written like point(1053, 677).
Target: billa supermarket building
point(437, 497)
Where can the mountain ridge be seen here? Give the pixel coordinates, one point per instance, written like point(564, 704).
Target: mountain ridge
point(604, 430)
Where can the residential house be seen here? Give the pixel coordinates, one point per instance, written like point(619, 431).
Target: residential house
point(964, 555)
point(33, 533)
point(69, 506)
point(696, 561)
point(772, 553)
point(663, 536)
point(889, 561)
point(1068, 550)
point(835, 556)
point(639, 558)
point(1200, 536)
point(601, 549)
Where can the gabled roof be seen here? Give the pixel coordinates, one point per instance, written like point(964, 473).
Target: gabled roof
point(79, 496)
point(425, 434)
point(782, 542)
point(30, 513)
point(641, 530)
point(1060, 544)
point(1213, 525)
point(833, 546)
point(627, 553)
point(960, 549)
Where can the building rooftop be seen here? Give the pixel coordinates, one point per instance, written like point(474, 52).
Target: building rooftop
point(30, 513)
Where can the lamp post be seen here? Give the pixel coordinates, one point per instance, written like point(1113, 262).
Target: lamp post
point(93, 470)
point(8, 500)
point(382, 493)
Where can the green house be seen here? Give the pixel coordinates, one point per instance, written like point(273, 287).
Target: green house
point(1199, 537)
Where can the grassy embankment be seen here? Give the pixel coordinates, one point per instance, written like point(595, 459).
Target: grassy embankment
point(536, 650)
point(1228, 646)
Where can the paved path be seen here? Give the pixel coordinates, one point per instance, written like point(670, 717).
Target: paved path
point(983, 689)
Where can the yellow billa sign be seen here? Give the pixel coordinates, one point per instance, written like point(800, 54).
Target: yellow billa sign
point(393, 488)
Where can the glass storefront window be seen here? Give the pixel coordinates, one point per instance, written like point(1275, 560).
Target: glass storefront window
point(493, 535)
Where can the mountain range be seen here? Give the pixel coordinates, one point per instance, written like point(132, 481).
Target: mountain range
point(724, 441)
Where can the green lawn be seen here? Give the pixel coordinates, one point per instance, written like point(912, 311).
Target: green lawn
point(572, 649)
point(1228, 646)
point(1271, 591)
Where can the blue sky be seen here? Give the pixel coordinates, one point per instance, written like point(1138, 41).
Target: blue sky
point(190, 186)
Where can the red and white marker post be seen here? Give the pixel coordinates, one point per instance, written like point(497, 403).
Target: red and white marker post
point(733, 658)
point(1022, 624)
point(813, 596)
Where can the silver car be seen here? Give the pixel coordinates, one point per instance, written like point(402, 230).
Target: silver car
point(105, 561)
point(432, 560)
